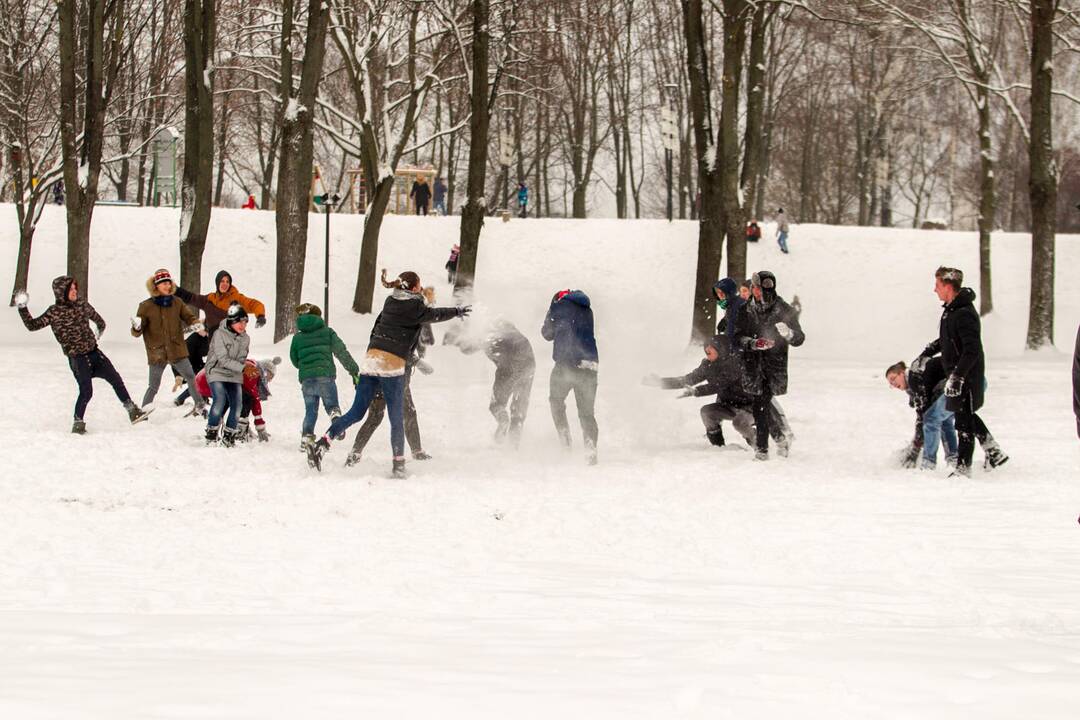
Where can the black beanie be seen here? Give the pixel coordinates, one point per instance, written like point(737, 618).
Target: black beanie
point(222, 274)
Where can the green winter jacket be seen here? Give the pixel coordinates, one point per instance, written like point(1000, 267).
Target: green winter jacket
point(314, 348)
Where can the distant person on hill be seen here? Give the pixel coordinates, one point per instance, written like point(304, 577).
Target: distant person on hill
point(439, 205)
point(312, 352)
point(753, 231)
point(421, 194)
point(960, 344)
point(568, 325)
point(451, 264)
point(250, 204)
point(215, 305)
point(782, 229)
point(70, 317)
point(523, 200)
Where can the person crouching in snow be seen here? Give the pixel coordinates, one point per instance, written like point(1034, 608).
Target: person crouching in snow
point(256, 388)
point(720, 373)
point(312, 353)
point(393, 340)
point(377, 409)
point(515, 366)
point(225, 373)
point(161, 320)
point(70, 317)
point(568, 325)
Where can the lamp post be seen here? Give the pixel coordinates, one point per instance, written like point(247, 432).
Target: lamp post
point(328, 202)
point(667, 134)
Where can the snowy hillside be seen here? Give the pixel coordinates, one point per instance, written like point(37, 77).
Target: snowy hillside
point(144, 575)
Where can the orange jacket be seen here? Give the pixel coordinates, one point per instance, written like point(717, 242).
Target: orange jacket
point(222, 302)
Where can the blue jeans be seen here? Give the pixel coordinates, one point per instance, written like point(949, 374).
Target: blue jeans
point(938, 423)
point(781, 239)
point(225, 394)
point(393, 390)
point(315, 389)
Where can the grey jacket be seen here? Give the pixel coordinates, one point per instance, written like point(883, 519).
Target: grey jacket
point(782, 223)
point(228, 351)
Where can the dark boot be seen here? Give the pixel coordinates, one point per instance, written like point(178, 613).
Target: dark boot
point(78, 427)
point(135, 413)
point(211, 435)
point(229, 437)
point(716, 437)
point(399, 468)
point(315, 453)
point(995, 456)
point(420, 455)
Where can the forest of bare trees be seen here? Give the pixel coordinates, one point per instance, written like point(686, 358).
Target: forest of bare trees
point(960, 113)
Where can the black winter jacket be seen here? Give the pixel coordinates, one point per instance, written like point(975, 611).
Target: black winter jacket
point(397, 329)
point(766, 369)
point(960, 344)
point(926, 382)
point(722, 377)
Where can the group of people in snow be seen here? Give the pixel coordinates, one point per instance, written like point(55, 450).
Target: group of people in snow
point(745, 365)
point(946, 385)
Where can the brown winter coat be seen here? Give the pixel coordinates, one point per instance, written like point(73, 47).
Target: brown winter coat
point(163, 327)
point(70, 321)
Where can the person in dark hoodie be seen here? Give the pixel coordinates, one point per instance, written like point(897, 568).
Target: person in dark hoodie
point(569, 326)
point(764, 330)
point(720, 374)
point(731, 303)
point(70, 317)
point(393, 340)
point(515, 367)
point(960, 344)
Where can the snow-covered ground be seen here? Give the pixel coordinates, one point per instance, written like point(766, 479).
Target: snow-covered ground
point(143, 575)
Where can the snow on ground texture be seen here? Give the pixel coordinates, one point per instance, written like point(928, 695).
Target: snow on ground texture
point(143, 575)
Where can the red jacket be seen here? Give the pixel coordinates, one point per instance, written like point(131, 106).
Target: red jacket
point(251, 389)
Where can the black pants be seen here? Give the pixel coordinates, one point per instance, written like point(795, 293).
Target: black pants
point(377, 409)
point(762, 416)
point(421, 208)
point(512, 388)
point(583, 382)
point(92, 365)
point(969, 428)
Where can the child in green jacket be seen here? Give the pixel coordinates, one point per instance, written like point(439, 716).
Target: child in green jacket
point(313, 350)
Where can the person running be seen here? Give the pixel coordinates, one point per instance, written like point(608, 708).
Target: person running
point(924, 383)
point(515, 367)
point(393, 340)
point(312, 352)
point(765, 329)
point(69, 318)
point(377, 409)
point(160, 321)
point(568, 325)
point(960, 344)
point(215, 305)
point(225, 372)
point(720, 374)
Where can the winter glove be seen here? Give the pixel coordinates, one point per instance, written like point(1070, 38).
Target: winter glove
point(909, 456)
point(21, 299)
point(424, 367)
point(954, 385)
point(136, 323)
point(260, 320)
point(688, 392)
point(784, 331)
point(762, 344)
point(464, 310)
point(196, 328)
point(263, 435)
point(651, 380)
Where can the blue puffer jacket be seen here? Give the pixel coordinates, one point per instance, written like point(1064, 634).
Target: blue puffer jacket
point(569, 323)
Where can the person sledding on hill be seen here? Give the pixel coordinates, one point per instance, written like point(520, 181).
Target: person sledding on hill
point(720, 374)
point(377, 409)
point(225, 373)
point(515, 367)
point(69, 318)
point(568, 325)
point(257, 377)
point(215, 305)
point(764, 330)
point(393, 340)
point(161, 320)
point(312, 352)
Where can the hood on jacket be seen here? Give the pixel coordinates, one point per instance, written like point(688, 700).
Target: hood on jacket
point(966, 296)
point(309, 323)
point(575, 296)
point(60, 287)
point(401, 294)
point(728, 286)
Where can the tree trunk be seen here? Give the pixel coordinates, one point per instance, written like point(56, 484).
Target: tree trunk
point(710, 223)
point(378, 199)
point(755, 105)
point(736, 13)
point(472, 215)
point(1042, 183)
point(295, 162)
point(987, 199)
point(196, 186)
